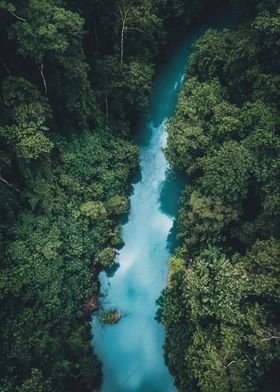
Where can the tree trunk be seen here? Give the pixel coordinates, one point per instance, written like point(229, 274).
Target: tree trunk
point(122, 40)
point(106, 106)
point(124, 15)
point(106, 96)
point(6, 68)
point(96, 34)
point(43, 78)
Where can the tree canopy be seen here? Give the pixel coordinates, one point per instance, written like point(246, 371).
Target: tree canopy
point(75, 78)
point(221, 307)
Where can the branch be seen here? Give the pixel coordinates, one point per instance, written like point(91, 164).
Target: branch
point(124, 13)
point(234, 361)
point(269, 335)
point(127, 11)
point(9, 184)
point(17, 17)
point(229, 364)
point(137, 29)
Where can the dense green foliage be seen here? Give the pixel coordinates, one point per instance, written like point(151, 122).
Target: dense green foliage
point(222, 305)
point(74, 78)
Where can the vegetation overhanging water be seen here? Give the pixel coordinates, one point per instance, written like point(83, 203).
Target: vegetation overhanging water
point(131, 351)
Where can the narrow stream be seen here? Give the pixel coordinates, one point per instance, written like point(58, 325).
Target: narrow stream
point(131, 351)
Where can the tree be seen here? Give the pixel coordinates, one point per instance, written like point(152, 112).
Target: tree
point(188, 132)
point(93, 210)
point(214, 288)
point(28, 113)
point(107, 257)
point(228, 172)
point(135, 16)
point(117, 205)
point(127, 90)
point(209, 56)
point(261, 261)
point(27, 135)
point(204, 219)
point(46, 30)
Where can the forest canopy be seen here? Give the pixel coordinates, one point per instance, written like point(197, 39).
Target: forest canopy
point(75, 79)
point(222, 306)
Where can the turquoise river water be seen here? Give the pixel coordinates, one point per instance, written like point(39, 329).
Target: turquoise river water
point(131, 351)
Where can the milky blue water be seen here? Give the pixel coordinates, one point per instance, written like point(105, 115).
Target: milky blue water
point(131, 351)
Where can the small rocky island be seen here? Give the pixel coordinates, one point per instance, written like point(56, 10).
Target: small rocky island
point(110, 316)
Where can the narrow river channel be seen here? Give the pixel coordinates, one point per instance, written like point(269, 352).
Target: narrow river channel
point(131, 351)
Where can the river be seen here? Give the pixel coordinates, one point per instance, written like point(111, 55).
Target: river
point(131, 351)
